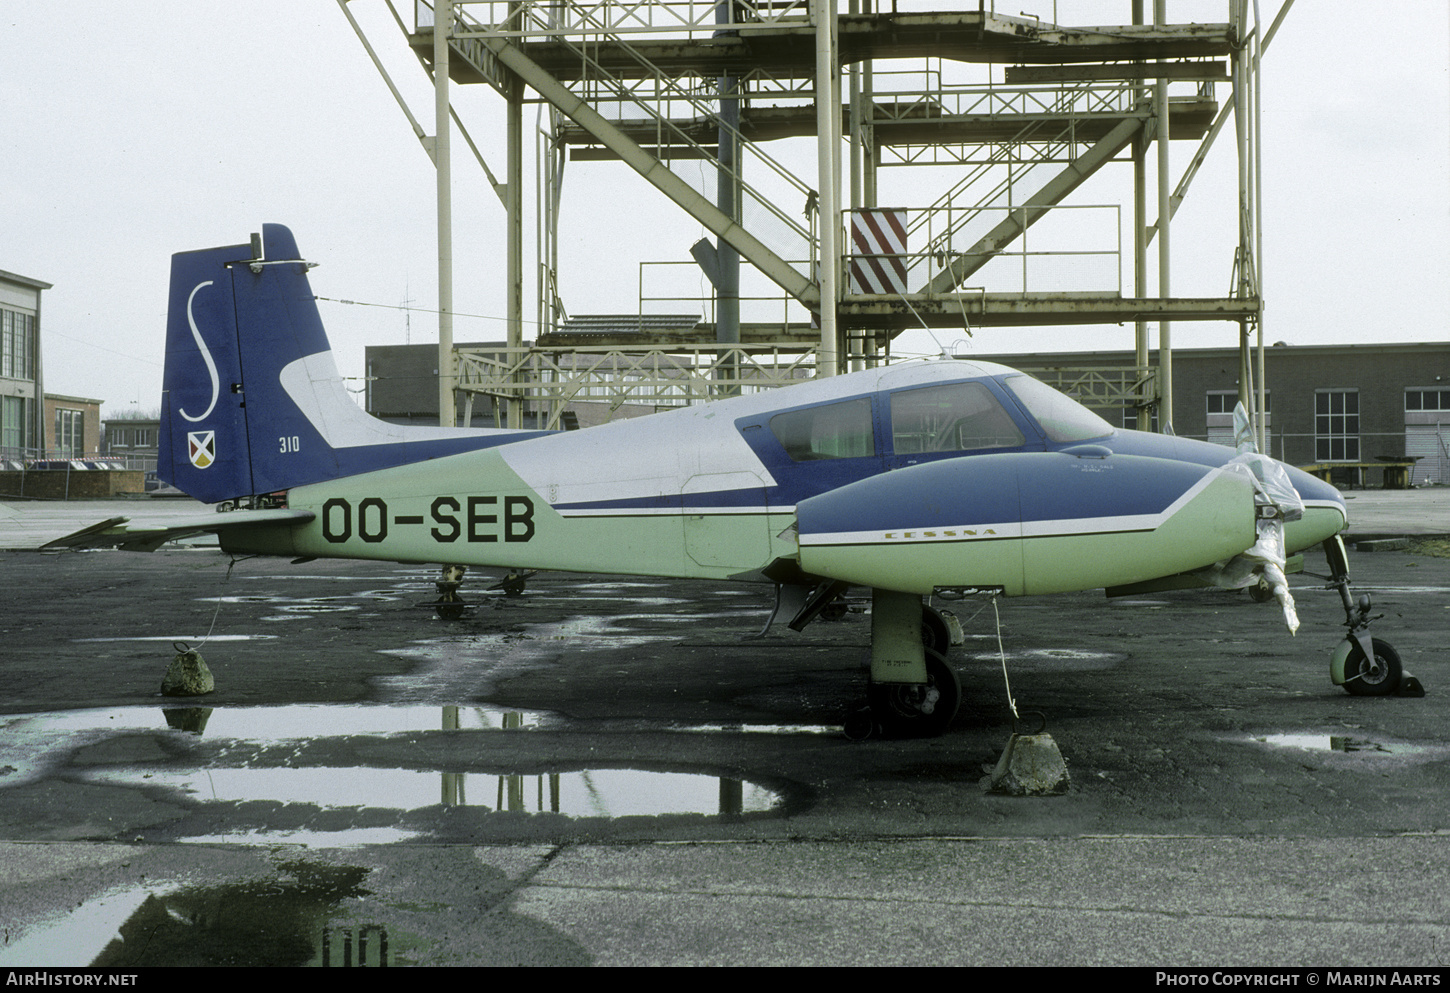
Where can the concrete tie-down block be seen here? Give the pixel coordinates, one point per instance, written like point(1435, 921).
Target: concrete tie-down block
point(1031, 765)
point(187, 676)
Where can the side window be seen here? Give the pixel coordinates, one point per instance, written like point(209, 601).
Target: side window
point(950, 418)
point(833, 431)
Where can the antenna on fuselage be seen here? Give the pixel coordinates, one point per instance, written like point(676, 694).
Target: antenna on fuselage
point(939, 346)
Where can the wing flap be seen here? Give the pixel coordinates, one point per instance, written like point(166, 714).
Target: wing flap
point(118, 532)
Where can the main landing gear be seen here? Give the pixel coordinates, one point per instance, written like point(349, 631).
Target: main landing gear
point(1363, 665)
point(450, 606)
point(913, 691)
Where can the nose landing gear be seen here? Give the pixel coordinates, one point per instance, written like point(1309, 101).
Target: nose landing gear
point(1363, 665)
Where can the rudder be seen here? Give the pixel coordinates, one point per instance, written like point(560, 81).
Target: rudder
point(203, 446)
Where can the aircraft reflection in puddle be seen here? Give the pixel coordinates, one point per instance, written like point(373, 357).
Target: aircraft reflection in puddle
point(587, 793)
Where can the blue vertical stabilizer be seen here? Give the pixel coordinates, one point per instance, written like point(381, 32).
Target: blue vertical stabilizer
point(252, 402)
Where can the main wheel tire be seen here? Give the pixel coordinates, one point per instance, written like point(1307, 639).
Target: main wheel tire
point(1377, 677)
point(935, 634)
point(912, 710)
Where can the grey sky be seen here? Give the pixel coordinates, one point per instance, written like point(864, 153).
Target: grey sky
point(141, 129)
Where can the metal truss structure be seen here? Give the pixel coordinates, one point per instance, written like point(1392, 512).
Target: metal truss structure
point(1019, 110)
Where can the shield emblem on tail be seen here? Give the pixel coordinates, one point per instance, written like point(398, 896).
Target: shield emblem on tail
point(201, 448)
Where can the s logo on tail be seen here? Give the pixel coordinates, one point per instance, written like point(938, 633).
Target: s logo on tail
point(210, 368)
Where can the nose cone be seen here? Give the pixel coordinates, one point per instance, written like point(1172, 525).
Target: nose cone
point(1325, 513)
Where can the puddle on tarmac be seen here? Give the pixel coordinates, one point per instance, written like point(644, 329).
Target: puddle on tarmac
point(188, 639)
point(605, 793)
point(1339, 743)
point(1051, 659)
point(412, 585)
point(480, 661)
point(1358, 588)
point(75, 938)
point(35, 743)
point(294, 920)
point(832, 730)
point(267, 724)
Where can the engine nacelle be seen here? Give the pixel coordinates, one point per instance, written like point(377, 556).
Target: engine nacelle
point(1027, 522)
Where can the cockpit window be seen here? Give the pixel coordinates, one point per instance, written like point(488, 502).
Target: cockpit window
point(1063, 418)
point(950, 418)
point(832, 431)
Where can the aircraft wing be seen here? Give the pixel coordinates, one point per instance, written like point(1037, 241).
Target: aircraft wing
point(117, 532)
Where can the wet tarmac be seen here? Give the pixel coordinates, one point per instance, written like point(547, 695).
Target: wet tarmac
point(614, 770)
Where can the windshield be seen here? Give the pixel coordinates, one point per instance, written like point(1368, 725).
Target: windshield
point(950, 418)
point(1062, 418)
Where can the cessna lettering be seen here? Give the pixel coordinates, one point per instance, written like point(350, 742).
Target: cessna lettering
point(945, 533)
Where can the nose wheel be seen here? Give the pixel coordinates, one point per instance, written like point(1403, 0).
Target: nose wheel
point(1379, 675)
point(1363, 665)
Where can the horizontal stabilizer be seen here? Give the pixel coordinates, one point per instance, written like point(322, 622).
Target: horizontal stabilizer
point(117, 532)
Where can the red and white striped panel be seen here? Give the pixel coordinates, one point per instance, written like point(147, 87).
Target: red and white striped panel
point(878, 264)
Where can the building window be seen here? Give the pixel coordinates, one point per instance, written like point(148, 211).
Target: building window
point(17, 345)
point(15, 426)
point(1336, 426)
point(1224, 401)
point(1130, 419)
point(69, 435)
point(1432, 401)
point(1219, 423)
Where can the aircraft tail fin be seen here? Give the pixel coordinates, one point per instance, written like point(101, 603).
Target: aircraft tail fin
point(252, 402)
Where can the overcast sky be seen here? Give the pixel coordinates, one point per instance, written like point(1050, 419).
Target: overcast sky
point(136, 130)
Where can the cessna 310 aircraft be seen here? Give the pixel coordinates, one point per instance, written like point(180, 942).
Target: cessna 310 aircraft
point(945, 478)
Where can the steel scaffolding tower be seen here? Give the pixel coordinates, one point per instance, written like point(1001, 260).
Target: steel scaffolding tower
point(1020, 111)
